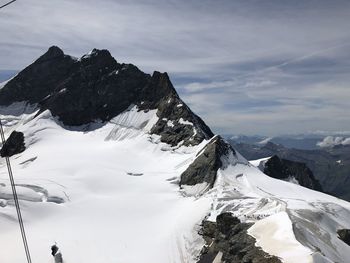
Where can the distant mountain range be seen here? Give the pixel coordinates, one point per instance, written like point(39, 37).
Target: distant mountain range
point(310, 141)
point(330, 165)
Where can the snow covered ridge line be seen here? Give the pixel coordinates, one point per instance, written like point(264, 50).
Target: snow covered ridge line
point(96, 93)
point(300, 234)
point(290, 223)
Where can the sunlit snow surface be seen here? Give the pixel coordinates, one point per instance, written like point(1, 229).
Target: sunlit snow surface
point(109, 193)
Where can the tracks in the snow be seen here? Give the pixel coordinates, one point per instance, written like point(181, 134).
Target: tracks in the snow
point(28, 192)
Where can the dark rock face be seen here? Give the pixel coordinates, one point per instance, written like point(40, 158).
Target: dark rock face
point(229, 236)
point(344, 234)
point(184, 128)
point(284, 169)
point(207, 163)
point(13, 145)
point(185, 125)
point(97, 87)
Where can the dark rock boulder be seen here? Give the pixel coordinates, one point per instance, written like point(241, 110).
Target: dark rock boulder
point(97, 87)
point(204, 168)
point(283, 169)
point(229, 236)
point(13, 145)
point(344, 234)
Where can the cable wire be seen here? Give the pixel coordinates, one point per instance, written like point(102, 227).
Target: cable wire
point(15, 197)
point(7, 3)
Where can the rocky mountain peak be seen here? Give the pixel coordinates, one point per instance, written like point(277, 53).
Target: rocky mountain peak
point(162, 85)
point(97, 52)
point(52, 53)
point(100, 58)
point(97, 87)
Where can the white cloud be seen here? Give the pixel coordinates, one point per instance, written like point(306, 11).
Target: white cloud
point(331, 141)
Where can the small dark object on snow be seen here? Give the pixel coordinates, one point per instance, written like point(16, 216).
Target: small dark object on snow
point(13, 145)
point(56, 253)
point(134, 174)
point(54, 250)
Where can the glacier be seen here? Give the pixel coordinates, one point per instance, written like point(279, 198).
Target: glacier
point(76, 188)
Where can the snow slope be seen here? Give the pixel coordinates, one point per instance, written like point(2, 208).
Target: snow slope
point(105, 213)
point(260, 163)
point(309, 232)
point(108, 192)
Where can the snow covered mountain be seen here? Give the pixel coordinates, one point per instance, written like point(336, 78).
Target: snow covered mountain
point(117, 168)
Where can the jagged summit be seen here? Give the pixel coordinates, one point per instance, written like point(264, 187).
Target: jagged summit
point(99, 57)
point(53, 52)
point(97, 87)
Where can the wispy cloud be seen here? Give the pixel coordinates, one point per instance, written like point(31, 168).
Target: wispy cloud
point(245, 66)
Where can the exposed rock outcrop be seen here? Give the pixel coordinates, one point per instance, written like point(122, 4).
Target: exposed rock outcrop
point(344, 234)
point(97, 87)
point(177, 123)
point(13, 145)
point(285, 169)
point(204, 168)
point(229, 236)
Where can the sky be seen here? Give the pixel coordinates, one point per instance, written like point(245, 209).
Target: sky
point(265, 67)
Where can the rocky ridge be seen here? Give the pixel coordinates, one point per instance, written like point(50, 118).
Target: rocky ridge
point(288, 170)
point(96, 87)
